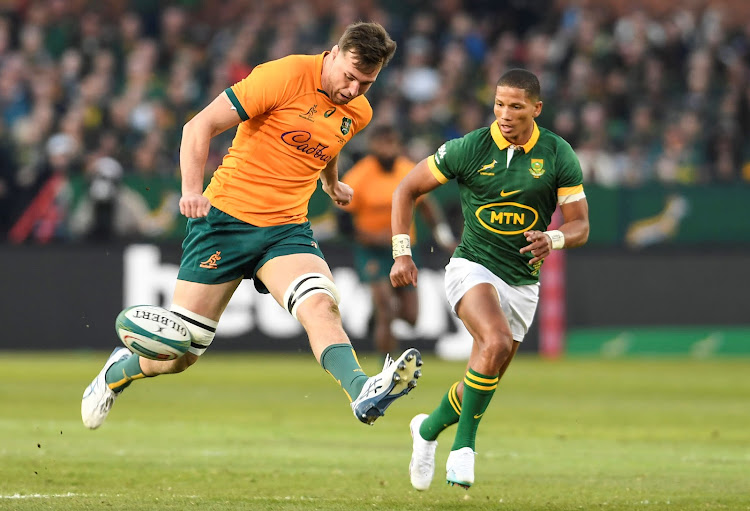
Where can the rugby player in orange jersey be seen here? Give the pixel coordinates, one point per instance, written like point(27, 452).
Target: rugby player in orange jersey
point(375, 177)
point(294, 115)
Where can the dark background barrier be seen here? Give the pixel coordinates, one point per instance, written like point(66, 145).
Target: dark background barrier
point(657, 287)
point(67, 296)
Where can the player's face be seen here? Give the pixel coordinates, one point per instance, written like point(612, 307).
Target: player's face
point(344, 81)
point(515, 114)
point(385, 146)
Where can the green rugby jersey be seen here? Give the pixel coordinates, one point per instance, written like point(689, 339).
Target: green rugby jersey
point(500, 202)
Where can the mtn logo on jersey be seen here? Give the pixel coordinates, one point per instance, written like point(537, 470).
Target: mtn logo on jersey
point(537, 168)
point(507, 218)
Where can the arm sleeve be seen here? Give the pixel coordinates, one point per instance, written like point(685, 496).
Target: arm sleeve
point(570, 176)
point(447, 163)
point(262, 90)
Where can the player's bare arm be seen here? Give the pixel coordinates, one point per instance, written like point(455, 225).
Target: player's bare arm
point(575, 229)
point(340, 193)
point(417, 182)
point(197, 133)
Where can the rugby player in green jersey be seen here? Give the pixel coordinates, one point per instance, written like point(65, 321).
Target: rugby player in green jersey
point(511, 176)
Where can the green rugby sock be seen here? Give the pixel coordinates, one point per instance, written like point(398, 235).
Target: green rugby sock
point(446, 414)
point(122, 373)
point(340, 361)
point(478, 391)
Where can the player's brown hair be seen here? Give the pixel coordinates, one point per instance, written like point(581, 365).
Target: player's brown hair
point(370, 44)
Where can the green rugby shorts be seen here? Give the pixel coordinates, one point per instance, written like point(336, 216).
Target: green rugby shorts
point(374, 264)
point(220, 248)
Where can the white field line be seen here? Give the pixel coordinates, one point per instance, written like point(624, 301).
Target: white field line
point(41, 496)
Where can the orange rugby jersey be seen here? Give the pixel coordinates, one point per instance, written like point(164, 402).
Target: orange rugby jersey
point(373, 192)
point(290, 131)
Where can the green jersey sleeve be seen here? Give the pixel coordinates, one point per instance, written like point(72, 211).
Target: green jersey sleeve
point(569, 168)
point(457, 158)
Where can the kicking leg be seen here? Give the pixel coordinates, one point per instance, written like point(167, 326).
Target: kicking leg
point(303, 284)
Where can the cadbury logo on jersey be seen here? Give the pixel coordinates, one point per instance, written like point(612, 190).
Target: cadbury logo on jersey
point(300, 140)
point(507, 218)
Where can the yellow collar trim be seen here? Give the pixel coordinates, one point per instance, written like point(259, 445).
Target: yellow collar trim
point(504, 144)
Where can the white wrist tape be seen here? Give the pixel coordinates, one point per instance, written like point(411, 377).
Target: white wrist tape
point(401, 244)
point(558, 239)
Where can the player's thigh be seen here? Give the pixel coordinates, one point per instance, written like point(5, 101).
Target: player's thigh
point(407, 304)
point(482, 314)
point(278, 273)
point(217, 253)
point(208, 300)
point(382, 297)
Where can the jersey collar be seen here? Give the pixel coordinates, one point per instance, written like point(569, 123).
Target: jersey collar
point(504, 144)
point(319, 72)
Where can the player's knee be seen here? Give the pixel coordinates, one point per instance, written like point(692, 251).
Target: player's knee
point(409, 315)
point(408, 307)
point(496, 345)
point(185, 361)
point(310, 285)
point(318, 311)
point(202, 330)
point(383, 313)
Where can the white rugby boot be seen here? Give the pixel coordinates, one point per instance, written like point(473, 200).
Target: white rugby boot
point(460, 467)
point(422, 465)
point(98, 398)
point(396, 379)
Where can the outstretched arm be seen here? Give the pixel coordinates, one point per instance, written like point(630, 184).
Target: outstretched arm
point(416, 183)
point(215, 118)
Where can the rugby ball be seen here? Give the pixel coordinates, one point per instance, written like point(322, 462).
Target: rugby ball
point(153, 332)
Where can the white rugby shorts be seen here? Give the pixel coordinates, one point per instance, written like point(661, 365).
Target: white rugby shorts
point(518, 302)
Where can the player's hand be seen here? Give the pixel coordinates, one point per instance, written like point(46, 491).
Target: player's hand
point(194, 205)
point(341, 193)
point(540, 245)
point(404, 272)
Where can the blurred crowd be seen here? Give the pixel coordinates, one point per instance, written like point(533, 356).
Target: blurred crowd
point(93, 95)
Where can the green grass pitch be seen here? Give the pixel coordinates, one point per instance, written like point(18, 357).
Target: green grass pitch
point(263, 431)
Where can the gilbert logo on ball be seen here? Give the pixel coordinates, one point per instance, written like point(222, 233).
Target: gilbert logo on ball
point(153, 332)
